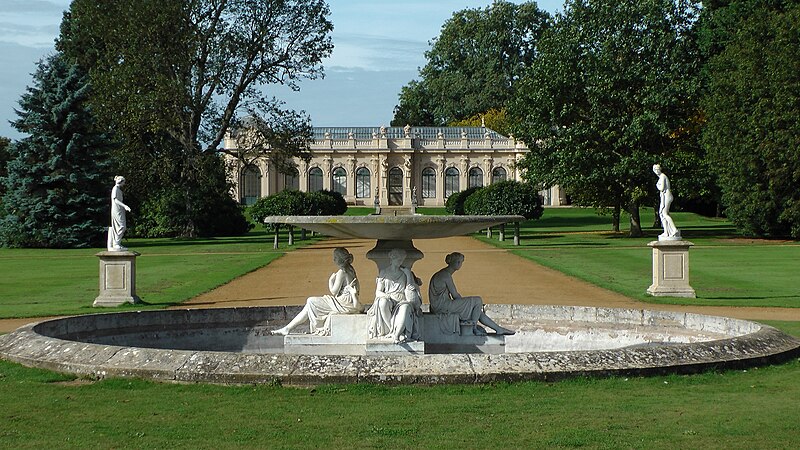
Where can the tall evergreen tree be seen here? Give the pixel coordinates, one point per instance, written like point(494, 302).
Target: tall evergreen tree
point(58, 178)
point(4, 157)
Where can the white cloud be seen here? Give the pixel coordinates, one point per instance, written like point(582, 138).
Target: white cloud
point(379, 45)
point(376, 53)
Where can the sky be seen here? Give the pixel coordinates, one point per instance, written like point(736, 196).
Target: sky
point(379, 46)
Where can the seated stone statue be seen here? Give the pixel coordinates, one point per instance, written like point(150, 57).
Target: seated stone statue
point(398, 305)
point(446, 300)
point(344, 288)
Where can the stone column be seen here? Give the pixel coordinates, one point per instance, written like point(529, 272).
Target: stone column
point(671, 269)
point(117, 279)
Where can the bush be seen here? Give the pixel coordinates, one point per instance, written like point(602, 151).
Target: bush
point(284, 203)
point(164, 215)
point(505, 198)
point(455, 203)
point(334, 205)
point(160, 216)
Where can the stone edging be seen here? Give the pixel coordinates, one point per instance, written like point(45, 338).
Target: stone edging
point(751, 344)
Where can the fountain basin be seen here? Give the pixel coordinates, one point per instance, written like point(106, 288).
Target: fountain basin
point(233, 345)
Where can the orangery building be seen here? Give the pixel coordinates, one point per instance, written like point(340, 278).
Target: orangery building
point(396, 165)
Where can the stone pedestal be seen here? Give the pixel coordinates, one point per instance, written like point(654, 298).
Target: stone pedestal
point(671, 269)
point(380, 253)
point(117, 279)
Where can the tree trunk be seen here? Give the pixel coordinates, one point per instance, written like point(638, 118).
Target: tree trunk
point(275, 240)
point(636, 223)
point(501, 236)
point(516, 233)
point(291, 235)
point(615, 218)
point(489, 233)
point(656, 217)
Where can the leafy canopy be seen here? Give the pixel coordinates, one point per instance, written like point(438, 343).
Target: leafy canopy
point(473, 65)
point(613, 83)
point(752, 103)
point(172, 77)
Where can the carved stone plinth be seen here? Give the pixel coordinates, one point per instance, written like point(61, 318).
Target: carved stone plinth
point(349, 337)
point(671, 269)
point(117, 279)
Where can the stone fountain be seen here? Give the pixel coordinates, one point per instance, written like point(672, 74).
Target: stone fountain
point(236, 345)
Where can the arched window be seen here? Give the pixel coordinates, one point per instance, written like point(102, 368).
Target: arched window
point(251, 185)
point(315, 179)
point(291, 180)
point(428, 183)
point(451, 181)
point(395, 186)
point(475, 177)
point(363, 189)
point(498, 175)
point(339, 181)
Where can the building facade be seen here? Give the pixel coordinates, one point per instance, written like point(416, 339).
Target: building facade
point(394, 164)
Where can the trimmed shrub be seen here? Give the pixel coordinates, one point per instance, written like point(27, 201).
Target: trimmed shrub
point(455, 203)
point(505, 198)
point(334, 206)
point(284, 203)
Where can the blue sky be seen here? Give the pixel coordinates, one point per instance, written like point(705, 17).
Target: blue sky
point(379, 46)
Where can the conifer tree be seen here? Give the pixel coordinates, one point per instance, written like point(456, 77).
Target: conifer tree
point(58, 175)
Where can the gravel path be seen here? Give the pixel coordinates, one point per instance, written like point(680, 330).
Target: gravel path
point(495, 274)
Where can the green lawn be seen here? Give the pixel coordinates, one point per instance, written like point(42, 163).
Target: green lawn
point(725, 270)
point(755, 408)
point(52, 282)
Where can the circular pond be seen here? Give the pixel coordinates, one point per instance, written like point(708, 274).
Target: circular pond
point(234, 345)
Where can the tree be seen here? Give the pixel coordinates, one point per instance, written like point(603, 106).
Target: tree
point(495, 119)
point(474, 64)
point(181, 74)
point(58, 179)
point(4, 158)
point(752, 103)
point(613, 86)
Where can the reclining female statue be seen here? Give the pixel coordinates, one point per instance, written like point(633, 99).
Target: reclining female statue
point(344, 288)
point(446, 300)
point(398, 305)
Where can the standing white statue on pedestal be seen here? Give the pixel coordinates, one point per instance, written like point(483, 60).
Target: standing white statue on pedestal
point(118, 222)
point(344, 288)
point(447, 302)
point(671, 233)
point(398, 305)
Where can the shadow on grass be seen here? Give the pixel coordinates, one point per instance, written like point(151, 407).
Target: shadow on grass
point(570, 222)
point(751, 297)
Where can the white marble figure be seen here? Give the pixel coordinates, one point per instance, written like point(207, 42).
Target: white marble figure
point(397, 308)
point(344, 288)
point(118, 222)
point(446, 300)
point(671, 233)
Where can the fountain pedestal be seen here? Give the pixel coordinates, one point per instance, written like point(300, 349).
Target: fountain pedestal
point(671, 269)
point(349, 337)
point(117, 279)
